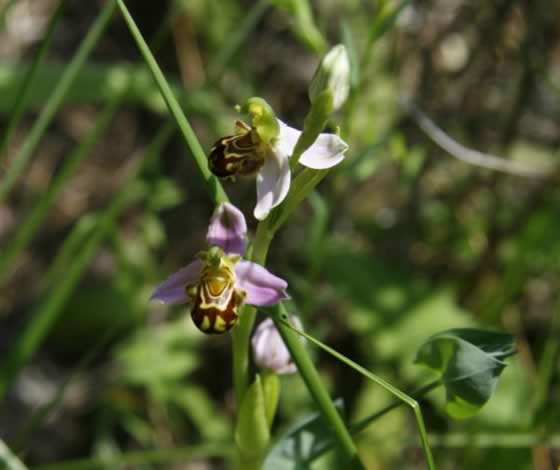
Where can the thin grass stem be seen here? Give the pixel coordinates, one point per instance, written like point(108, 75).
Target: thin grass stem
point(214, 187)
point(28, 228)
point(22, 97)
point(282, 318)
point(18, 165)
point(315, 385)
point(145, 457)
point(44, 317)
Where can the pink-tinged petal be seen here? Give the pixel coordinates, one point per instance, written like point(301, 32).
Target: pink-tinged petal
point(327, 151)
point(228, 229)
point(172, 290)
point(262, 287)
point(273, 183)
point(269, 350)
point(286, 139)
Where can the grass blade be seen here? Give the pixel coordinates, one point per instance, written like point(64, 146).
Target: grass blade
point(46, 314)
point(315, 386)
point(281, 318)
point(213, 185)
point(30, 76)
point(8, 460)
point(32, 223)
point(20, 161)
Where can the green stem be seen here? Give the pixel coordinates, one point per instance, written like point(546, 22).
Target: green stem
point(315, 385)
point(20, 161)
point(242, 332)
point(214, 187)
point(306, 180)
point(282, 319)
point(24, 90)
point(359, 426)
point(8, 459)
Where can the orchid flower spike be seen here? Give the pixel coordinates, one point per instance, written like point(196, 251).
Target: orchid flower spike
point(269, 350)
point(219, 282)
point(264, 148)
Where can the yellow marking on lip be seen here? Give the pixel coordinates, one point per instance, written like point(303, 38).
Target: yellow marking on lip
point(220, 324)
point(205, 325)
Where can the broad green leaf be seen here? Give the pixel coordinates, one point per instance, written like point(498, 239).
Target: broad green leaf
point(299, 446)
point(469, 362)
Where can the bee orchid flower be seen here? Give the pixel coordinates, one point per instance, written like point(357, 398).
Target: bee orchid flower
point(265, 148)
point(220, 281)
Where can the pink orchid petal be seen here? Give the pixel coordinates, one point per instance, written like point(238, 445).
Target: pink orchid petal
point(327, 151)
point(172, 290)
point(273, 183)
point(262, 287)
point(228, 229)
point(269, 350)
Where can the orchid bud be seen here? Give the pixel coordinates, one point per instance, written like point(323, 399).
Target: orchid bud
point(332, 77)
point(263, 119)
point(269, 350)
point(252, 432)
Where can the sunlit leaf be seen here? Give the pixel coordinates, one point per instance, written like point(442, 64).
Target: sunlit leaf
point(469, 362)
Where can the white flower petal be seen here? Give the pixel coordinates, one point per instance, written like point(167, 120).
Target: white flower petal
point(273, 183)
point(286, 139)
point(327, 151)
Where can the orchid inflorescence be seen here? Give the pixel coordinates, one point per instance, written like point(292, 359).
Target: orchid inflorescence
point(219, 281)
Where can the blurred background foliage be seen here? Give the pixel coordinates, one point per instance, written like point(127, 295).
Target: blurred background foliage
point(400, 242)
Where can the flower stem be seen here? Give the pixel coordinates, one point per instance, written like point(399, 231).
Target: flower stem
point(242, 332)
point(282, 318)
point(315, 386)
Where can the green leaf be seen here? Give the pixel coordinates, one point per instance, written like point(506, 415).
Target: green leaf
point(305, 440)
point(469, 362)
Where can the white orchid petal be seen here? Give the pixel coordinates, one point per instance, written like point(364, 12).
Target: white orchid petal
point(286, 139)
point(327, 151)
point(273, 183)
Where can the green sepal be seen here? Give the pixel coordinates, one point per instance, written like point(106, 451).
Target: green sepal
point(271, 391)
point(263, 119)
point(252, 433)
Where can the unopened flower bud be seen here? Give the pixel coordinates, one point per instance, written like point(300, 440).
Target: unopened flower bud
point(332, 77)
point(269, 350)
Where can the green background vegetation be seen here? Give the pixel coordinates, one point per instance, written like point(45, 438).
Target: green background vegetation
point(100, 200)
